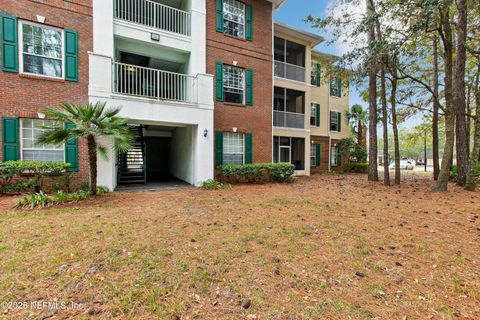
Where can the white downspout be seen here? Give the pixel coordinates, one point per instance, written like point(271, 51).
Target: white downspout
point(329, 131)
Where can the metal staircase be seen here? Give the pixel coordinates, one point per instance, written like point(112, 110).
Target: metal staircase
point(131, 165)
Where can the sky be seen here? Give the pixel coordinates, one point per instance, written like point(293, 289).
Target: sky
point(292, 12)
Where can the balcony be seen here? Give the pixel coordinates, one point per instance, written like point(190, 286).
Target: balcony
point(285, 119)
point(142, 82)
point(289, 71)
point(154, 15)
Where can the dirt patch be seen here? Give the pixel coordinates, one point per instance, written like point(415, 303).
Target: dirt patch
point(325, 247)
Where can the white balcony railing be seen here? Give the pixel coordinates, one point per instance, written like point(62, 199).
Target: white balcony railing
point(284, 119)
point(152, 83)
point(154, 14)
point(289, 71)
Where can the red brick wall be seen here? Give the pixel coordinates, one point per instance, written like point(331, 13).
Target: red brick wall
point(324, 153)
point(257, 55)
point(25, 96)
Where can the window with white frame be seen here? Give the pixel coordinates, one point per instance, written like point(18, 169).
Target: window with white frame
point(31, 150)
point(334, 121)
point(234, 18)
point(335, 87)
point(334, 156)
point(233, 84)
point(313, 114)
point(41, 50)
point(313, 155)
point(233, 148)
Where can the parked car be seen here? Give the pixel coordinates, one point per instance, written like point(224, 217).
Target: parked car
point(420, 162)
point(404, 165)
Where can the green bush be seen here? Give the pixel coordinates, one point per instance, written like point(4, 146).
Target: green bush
point(454, 171)
point(282, 172)
point(41, 199)
point(20, 176)
point(214, 185)
point(356, 167)
point(257, 172)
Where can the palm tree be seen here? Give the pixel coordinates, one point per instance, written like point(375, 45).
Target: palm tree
point(357, 117)
point(89, 121)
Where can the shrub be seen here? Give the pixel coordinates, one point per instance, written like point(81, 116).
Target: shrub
point(282, 172)
point(41, 199)
point(258, 172)
point(21, 175)
point(454, 171)
point(356, 167)
point(33, 200)
point(214, 185)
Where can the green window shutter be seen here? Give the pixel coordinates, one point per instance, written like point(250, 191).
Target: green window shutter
point(339, 84)
point(219, 16)
point(249, 22)
point(218, 148)
point(249, 87)
point(71, 55)
point(219, 81)
point(317, 115)
point(248, 148)
point(71, 150)
point(9, 43)
point(10, 138)
point(339, 121)
point(317, 155)
point(318, 75)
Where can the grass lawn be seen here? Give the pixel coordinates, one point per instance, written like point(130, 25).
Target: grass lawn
point(325, 247)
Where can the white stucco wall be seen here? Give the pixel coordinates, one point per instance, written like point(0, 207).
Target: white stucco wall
point(181, 154)
point(196, 116)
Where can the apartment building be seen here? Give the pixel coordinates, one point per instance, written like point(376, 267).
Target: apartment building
point(308, 111)
point(239, 55)
point(202, 83)
point(44, 62)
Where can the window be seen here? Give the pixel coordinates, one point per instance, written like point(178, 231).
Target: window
point(336, 87)
point(30, 130)
point(233, 84)
point(234, 18)
point(233, 148)
point(334, 156)
point(313, 155)
point(315, 74)
point(313, 115)
point(335, 119)
point(41, 50)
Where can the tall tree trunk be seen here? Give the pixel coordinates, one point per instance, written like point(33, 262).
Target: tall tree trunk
point(436, 107)
point(443, 177)
point(459, 93)
point(386, 160)
point(372, 103)
point(472, 173)
point(396, 142)
point(92, 159)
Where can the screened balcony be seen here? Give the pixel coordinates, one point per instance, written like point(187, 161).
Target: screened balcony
point(151, 78)
point(288, 108)
point(154, 14)
point(289, 60)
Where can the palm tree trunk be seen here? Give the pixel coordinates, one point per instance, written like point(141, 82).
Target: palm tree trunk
point(372, 105)
point(436, 107)
point(443, 177)
point(359, 132)
point(396, 142)
point(92, 159)
point(459, 94)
